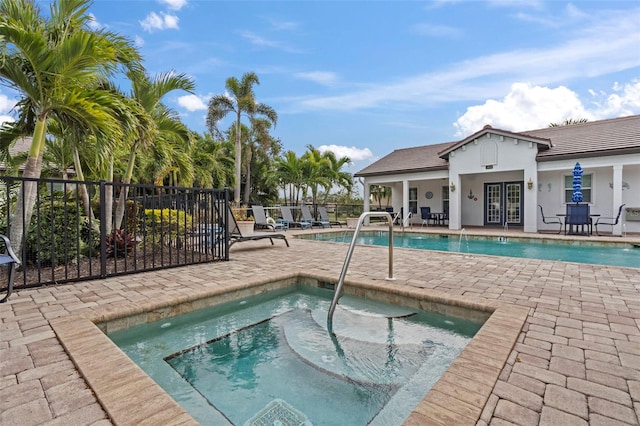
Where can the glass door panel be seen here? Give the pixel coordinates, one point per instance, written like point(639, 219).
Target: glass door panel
point(503, 203)
point(493, 210)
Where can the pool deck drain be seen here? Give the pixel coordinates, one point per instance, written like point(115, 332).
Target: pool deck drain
point(575, 361)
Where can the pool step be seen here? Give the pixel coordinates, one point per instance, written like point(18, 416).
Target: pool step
point(361, 360)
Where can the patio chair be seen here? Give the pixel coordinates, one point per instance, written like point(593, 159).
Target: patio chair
point(236, 236)
point(610, 221)
point(425, 215)
point(578, 216)
point(307, 217)
point(324, 216)
point(8, 258)
point(550, 220)
point(287, 217)
point(264, 222)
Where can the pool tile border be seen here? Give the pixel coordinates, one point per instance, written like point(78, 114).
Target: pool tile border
point(130, 396)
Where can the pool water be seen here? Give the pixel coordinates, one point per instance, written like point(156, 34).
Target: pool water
point(270, 359)
point(618, 255)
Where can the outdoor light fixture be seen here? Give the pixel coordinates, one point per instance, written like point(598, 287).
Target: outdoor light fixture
point(452, 187)
point(530, 184)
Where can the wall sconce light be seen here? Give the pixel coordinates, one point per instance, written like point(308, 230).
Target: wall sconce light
point(530, 184)
point(452, 187)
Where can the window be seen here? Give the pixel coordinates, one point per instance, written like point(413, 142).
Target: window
point(413, 200)
point(445, 201)
point(587, 185)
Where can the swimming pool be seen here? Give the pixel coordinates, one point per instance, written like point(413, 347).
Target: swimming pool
point(618, 255)
point(245, 361)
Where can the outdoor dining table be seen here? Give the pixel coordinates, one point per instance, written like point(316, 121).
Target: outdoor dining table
point(438, 217)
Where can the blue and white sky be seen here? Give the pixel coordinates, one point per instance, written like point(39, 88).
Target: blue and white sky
point(363, 78)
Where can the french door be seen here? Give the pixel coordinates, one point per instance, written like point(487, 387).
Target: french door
point(503, 203)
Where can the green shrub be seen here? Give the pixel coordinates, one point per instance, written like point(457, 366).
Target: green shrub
point(164, 225)
point(54, 239)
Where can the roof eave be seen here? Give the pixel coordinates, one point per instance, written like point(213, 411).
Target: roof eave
point(390, 172)
point(575, 155)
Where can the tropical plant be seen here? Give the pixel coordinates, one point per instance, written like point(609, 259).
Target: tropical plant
point(289, 168)
point(55, 64)
point(120, 243)
point(212, 162)
point(158, 125)
point(569, 121)
point(239, 99)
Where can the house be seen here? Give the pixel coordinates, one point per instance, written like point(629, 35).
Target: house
point(497, 178)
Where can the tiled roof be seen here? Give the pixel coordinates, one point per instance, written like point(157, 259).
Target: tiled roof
point(416, 159)
point(596, 138)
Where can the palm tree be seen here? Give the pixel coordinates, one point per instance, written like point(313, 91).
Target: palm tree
point(240, 100)
point(157, 124)
point(289, 168)
point(569, 121)
point(336, 176)
point(260, 142)
point(55, 64)
point(212, 161)
point(316, 172)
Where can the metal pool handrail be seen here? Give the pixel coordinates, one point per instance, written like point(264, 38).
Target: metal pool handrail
point(338, 292)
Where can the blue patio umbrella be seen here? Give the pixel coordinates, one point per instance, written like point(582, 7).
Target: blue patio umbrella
point(576, 197)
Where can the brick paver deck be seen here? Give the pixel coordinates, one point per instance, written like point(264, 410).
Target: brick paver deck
point(576, 361)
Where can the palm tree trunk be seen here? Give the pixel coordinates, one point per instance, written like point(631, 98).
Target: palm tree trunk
point(247, 182)
point(108, 197)
point(236, 192)
point(82, 188)
point(29, 189)
point(125, 189)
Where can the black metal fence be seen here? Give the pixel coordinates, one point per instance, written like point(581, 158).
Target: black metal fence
point(89, 230)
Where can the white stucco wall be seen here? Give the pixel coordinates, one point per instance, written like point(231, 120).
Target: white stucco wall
point(514, 159)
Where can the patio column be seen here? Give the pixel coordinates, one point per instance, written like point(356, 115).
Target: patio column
point(367, 203)
point(405, 200)
point(455, 201)
point(617, 197)
point(530, 205)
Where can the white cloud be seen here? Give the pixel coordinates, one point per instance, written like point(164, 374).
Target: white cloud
point(608, 46)
point(624, 101)
point(93, 22)
point(174, 4)
point(6, 119)
point(164, 21)
point(283, 25)
point(193, 102)
point(528, 107)
point(324, 78)
point(435, 30)
point(138, 41)
point(6, 105)
point(260, 41)
point(354, 154)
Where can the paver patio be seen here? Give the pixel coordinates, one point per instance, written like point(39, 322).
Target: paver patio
point(576, 361)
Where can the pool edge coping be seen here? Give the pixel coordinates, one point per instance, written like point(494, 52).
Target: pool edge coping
point(129, 395)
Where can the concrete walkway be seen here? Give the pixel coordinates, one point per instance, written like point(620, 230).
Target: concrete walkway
point(576, 362)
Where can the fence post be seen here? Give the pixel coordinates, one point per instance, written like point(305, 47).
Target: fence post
point(103, 230)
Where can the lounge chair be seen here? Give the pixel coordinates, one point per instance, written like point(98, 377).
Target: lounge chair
point(306, 217)
point(551, 220)
point(287, 217)
point(235, 236)
point(262, 221)
point(611, 221)
point(9, 258)
point(324, 216)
